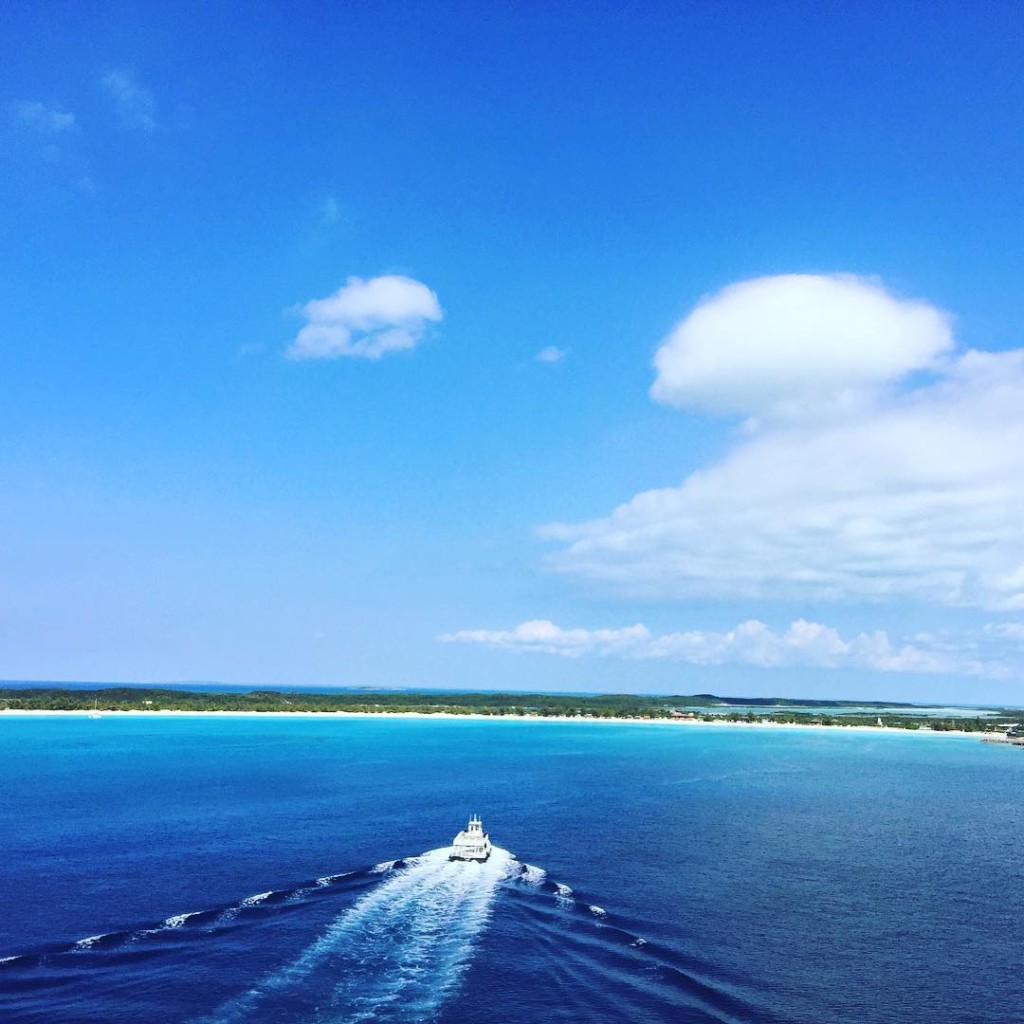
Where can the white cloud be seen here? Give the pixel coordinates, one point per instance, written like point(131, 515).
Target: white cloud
point(802, 644)
point(915, 494)
point(41, 118)
point(366, 319)
point(135, 105)
point(551, 354)
point(795, 344)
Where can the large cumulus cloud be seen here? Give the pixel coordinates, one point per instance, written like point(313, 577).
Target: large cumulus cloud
point(877, 462)
point(796, 344)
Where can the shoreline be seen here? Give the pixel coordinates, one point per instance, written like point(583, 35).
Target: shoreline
point(447, 716)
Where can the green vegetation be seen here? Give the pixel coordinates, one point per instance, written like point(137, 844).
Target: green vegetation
point(124, 698)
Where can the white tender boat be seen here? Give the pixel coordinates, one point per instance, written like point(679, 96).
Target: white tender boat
point(472, 843)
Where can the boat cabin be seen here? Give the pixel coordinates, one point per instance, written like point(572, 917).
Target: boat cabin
point(472, 843)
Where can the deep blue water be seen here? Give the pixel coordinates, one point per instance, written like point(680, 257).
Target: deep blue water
point(716, 874)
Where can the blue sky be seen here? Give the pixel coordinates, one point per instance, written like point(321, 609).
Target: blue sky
point(332, 339)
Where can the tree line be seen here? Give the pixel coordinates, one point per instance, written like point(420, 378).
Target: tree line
point(631, 706)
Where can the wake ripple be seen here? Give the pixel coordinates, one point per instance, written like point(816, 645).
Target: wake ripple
point(606, 971)
point(205, 921)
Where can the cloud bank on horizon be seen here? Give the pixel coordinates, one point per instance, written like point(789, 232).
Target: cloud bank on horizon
point(801, 644)
point(366, 319)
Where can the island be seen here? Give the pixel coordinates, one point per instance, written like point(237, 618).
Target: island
point(999, 724)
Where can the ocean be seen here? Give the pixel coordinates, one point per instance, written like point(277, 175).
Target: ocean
point(293, 870)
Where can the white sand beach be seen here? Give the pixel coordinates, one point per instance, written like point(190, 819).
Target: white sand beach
point(693, 723)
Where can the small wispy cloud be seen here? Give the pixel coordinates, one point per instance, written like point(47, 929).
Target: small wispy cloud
point(39, 117)
point(801, 644)
point(250, 348)
point(551, 354)
point(366, 319)
point(135, 105)
point(1006, 630)
point(330, 211)
point(85, 186)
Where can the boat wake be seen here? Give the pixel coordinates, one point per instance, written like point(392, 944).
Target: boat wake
point(388, 943)
point(396, 954)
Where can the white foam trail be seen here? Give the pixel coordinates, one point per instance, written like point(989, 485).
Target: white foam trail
point(401, 947)
point(426, 954)
point(320, 883)
point(8, 959)
point(86, 943)
point(175, 921)
point(599, 911)
point(532, 875)
point(331, 879)
point(384, 865)
point(563, 895)
point(178, 920)
point(252, 901)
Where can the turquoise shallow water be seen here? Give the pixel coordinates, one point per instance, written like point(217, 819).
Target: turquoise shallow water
point(664, 873)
